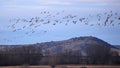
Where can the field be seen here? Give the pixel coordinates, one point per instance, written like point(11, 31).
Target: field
point(62, 66)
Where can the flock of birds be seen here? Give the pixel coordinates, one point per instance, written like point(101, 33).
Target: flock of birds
point(101, 19)
point(30, 25)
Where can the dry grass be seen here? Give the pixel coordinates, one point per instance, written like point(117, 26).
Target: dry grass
point(25, 66)
point(92, 66)
point(61, 66)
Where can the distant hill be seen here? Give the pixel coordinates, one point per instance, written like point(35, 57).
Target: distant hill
point(117, 46)
point(77, 43)
point(71, 51)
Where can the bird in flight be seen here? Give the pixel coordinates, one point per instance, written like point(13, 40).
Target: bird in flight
point(33, 23)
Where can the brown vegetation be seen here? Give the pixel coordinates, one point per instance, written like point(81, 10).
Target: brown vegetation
point(82, 50)
point(63, 66)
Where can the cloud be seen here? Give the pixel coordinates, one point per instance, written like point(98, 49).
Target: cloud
point(39, 3)
point(80, 1)
point(98, 1)
point(62, 2)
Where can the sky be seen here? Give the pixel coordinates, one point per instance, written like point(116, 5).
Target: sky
point(11, 10)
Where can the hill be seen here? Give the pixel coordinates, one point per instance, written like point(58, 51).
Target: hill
point(77, 43)
point(117, 46)
point(71, 51)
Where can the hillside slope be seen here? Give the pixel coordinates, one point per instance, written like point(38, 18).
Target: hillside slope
point(74, 44)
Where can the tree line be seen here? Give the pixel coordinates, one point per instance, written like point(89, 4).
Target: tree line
point(32, 55)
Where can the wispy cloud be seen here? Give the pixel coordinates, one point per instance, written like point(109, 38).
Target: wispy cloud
point(98, 1)
point(52, 2)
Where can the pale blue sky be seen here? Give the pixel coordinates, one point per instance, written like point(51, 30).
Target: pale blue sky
point(11, 9)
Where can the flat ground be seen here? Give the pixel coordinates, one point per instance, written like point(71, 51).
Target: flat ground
point(63, 66)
